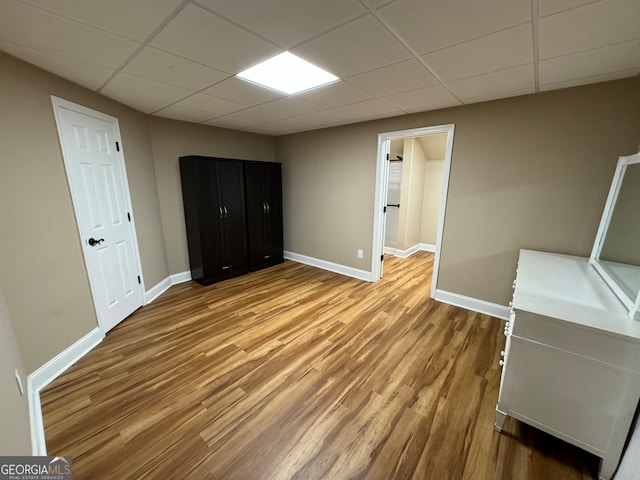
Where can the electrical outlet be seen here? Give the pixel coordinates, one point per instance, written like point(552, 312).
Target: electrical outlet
point(19, 382)
point(360, 253)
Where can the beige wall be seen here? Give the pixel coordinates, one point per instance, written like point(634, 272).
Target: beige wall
point(527, 172)
point(396, 147)
point(172, 139)
point(412, 193)
point(14, 410)
point(434, 148)
point(622, 241)
point(327, 188)
point(432, 200)
point(43, 274)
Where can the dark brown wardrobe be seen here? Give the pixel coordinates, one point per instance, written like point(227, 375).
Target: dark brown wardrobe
point(233, 216)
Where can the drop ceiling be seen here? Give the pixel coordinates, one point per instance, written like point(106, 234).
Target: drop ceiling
point(178, 59)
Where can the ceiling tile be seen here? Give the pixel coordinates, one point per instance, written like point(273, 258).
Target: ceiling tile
point(287, 22)
point(186, 114)
point(167, 68)
point(87, 75)
point(327, 118)
point(291, 106)
point(587, 80)
point(33, 27)
point(260, 129)
point(495, 84)
point(376, 3)
point(286, 125)
point(206, 38)
point(400, 77)
point(605, 60)
point(132, 19)
point(549, 7)
point(241, 91)
point(430, 25)
point(369, 109)
point(359, 46)
point(214, 105)
point(423, 99)
point(276, 130)
point(224, 122)
point(592, 26)
point(246, 118)
point(143, 94)
point(497, 51)
point(478, 50)
point(334, 95)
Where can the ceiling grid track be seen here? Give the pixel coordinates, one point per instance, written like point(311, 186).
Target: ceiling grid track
point(417, 57)
point(146, 42)
point(535, 37)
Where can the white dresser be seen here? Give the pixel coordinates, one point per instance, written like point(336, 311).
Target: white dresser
point(571, 364)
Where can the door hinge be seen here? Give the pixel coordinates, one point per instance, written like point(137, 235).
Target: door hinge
point(129, 216)
point(118, 147)
point(382, 257)
point(384, 209)
point(139, 280)
point(387, 156)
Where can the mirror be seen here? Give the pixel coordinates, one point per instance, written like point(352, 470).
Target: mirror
point(616, 251)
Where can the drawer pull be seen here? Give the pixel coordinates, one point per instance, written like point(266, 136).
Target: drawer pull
point(501, 362)
point(502, 353)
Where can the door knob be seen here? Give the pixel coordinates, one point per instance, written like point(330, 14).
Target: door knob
point(93, 242)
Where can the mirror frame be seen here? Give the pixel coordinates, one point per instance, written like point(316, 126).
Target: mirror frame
point(632, 304)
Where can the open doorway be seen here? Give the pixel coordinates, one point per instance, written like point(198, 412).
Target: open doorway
point(407, 216)
point(414, 194)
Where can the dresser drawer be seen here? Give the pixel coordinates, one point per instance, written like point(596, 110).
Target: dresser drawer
point(572, 397)
point(576, 339)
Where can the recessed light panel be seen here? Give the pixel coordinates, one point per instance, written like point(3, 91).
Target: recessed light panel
point(288, 74)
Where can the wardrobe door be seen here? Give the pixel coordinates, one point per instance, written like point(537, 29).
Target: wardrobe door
point(256, 212)
point(272, 184)
point(211, 223)
point(264, 214)
point(232, 213)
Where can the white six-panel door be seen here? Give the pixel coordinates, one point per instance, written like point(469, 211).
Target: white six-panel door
point(97, 179)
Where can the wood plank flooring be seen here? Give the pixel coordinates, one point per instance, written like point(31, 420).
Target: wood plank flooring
point(298, 373)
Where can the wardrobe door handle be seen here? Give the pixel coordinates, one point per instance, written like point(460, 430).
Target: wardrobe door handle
point(220, 210)
point(268, 208)
point(264, 208)
point(226, 212)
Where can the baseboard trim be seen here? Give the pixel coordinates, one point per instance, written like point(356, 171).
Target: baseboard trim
point(332, 267)
point(48, 372)
point(165, 284)
point(427, 247)
point(157, 290)
point(180, 277)
point(420, 247)
point(474, 304)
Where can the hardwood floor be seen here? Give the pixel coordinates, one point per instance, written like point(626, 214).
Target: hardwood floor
point(298, 373)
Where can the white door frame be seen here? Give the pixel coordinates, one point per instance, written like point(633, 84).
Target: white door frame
point(60, 103)
point(382, 172)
